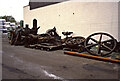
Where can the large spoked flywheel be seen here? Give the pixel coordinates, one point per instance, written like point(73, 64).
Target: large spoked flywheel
point(100, 44)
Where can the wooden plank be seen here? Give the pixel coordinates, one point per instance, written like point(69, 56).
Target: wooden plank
point(93, 57)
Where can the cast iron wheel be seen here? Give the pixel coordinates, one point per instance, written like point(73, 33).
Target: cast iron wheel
point(100, 44)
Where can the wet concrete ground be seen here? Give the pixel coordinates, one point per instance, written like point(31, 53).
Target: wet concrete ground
point(25, 63)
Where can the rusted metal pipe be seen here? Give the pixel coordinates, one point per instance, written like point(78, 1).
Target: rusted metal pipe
point(93, 57)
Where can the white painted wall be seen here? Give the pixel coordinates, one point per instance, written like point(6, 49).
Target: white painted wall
point(88, 17)
point(119, 21)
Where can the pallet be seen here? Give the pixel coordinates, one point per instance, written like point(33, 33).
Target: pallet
point(73, 50)
point(32, 46)
point(48, 47)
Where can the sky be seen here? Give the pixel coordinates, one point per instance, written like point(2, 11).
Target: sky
point(13, 8)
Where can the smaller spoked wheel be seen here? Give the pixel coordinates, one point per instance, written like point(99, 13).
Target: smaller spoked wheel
point(75, 41)
point(69, 41)
point(100, 44)
point(78, 40)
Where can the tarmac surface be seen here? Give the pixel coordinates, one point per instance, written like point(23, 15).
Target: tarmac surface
point(19, 62)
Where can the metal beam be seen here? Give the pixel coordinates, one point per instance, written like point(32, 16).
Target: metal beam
point(93, 57)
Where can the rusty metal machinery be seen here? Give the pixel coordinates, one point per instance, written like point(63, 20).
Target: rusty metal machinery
point(46, 40)
point(100, 44)
point(73, 43)
point(15, 36)
point(117, 49)
point(19, 35)
point(50, 36)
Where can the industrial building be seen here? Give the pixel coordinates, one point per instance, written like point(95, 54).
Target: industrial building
point(82, 18)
